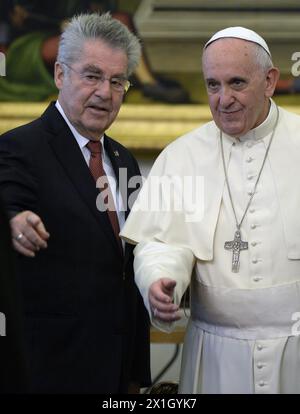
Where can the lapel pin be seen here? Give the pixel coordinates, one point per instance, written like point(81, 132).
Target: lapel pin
point(116, 153)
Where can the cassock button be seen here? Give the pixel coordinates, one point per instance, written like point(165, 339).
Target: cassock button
point(249, 159)
point(257, 279)
point(259, 347)
point(259, 365)
point(252, 210)
point(124, 275)
point(253, 244)
point(254, 261)
point(262, 383)
point(249, 177)
point(253, 226)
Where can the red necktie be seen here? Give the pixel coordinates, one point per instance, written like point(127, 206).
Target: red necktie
point(97, 170)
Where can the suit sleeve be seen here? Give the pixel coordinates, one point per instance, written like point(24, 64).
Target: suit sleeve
point(18, 185)
point(140, 372)
point(141, 362)
point(13, 370)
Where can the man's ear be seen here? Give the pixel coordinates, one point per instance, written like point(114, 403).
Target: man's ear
point(58, 75)
point(271, 81)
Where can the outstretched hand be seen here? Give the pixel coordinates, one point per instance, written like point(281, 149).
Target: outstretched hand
point(28, 233)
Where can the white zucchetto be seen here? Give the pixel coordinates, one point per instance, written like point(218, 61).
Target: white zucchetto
point(240, 33)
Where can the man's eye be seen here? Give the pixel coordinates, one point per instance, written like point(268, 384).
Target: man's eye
point(116, 82)
point(212, 85)
point(238, 82)
point(91, 77)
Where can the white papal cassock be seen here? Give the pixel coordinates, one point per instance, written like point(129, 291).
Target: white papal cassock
point(243, 334)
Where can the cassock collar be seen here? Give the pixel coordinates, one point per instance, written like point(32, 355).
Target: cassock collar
point(262, 130)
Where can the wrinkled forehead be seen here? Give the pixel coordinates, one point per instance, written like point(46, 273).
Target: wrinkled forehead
point(229, 58)
point(229, 52)
point(226, 45)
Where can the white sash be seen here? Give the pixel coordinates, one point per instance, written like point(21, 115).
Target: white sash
point(246, 313)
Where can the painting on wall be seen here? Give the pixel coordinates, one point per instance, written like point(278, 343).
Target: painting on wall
point(29, 37)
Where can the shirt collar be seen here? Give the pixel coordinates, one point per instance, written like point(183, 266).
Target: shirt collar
point(81, 140)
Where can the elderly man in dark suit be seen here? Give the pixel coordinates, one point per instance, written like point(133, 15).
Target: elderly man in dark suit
point(86, 327)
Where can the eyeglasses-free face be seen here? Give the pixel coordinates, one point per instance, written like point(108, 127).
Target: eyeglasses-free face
point(91, 91)
point(238, 87)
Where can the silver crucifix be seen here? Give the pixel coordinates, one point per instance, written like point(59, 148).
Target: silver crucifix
point(236, 246)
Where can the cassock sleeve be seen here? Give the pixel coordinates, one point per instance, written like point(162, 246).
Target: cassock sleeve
point(169, 207)
point(162, 227)
point(154, 260)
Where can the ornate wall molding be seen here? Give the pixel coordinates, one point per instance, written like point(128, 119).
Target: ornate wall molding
point(142, 128)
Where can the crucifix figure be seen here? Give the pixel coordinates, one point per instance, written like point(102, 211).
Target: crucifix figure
point(236, 245)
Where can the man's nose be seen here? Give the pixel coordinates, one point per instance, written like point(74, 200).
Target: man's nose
point(104, 89)
point(226, 96)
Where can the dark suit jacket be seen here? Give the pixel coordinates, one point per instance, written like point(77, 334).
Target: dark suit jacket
point(12, 361)
point(86, 327)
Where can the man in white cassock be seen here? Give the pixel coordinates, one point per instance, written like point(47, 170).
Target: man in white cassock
point(240, 249)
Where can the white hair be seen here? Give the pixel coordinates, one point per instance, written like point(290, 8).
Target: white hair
point(263, 59)
point(98, 27)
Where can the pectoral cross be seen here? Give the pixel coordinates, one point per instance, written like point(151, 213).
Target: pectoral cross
point(236, 245)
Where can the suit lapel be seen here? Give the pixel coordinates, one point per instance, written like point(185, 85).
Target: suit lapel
point(69, 154)
point(120, 168)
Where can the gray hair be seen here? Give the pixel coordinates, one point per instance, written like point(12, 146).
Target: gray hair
point(98, 27)
point(263, 59)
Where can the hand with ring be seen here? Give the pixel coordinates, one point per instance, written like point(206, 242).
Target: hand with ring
point(19, 236)
point(29, 233)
